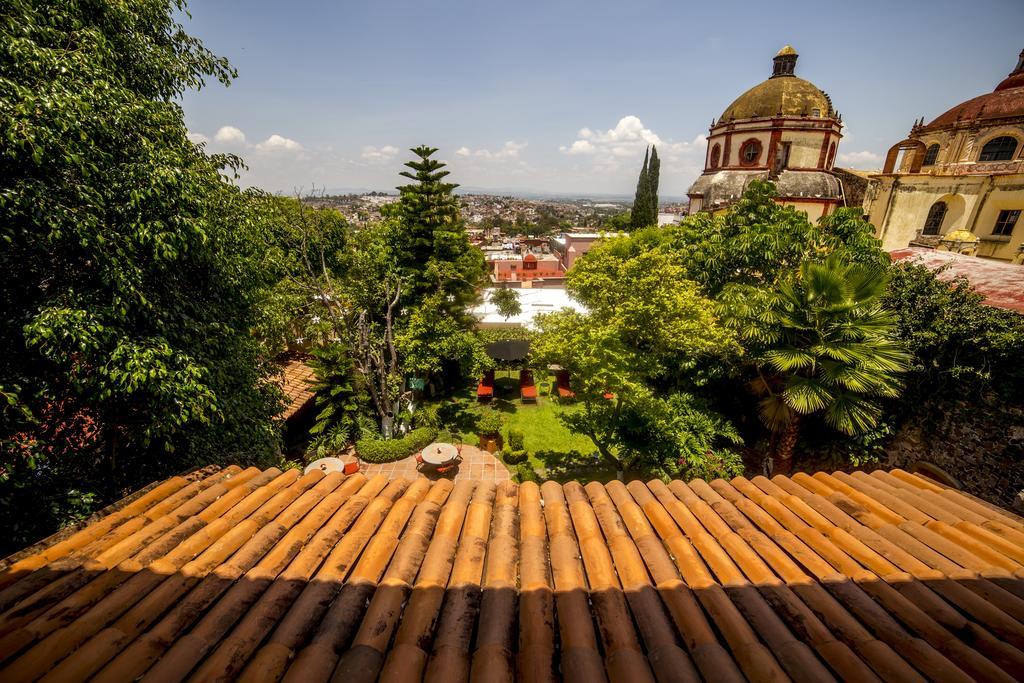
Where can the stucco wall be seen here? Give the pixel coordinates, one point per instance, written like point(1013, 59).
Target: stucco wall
point(973, 202)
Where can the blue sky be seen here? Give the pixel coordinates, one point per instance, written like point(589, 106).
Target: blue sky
point(563, 96)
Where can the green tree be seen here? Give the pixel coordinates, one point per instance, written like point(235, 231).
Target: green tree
point(506, 301)
point(130, 271)
point(638, 214)
point(433, 251)
point(961, 346)
point(337, 404)
point(653, 180)
point(679, 437)
point(603, 374)
point(658, 313)
point(645, 322)
point(824, 344)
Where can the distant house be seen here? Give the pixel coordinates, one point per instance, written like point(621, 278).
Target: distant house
point(569, 246)
point(523, 266)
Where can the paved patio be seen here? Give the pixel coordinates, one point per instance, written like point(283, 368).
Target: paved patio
point(477, 465)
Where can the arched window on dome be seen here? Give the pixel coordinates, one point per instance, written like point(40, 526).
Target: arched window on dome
point(998, 149)
point(716, 155)
point(931, 155)
point(750, 152)
point(933, 224)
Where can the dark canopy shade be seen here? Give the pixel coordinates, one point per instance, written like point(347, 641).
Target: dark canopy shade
point(509, 349)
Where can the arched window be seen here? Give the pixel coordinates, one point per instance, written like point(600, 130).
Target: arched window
point(750, 152)
point(998, 149)
point(831, 155)
point(931, 155)
point(933, 223)
point(716, 155)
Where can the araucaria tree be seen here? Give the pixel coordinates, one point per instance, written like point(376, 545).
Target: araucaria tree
point(433, 251)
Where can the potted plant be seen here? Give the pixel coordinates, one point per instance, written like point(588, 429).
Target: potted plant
point(488, 428)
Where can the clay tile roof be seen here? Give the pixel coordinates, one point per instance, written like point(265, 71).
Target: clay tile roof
point(1001, 283)
point(266, 575)
point(296, 377)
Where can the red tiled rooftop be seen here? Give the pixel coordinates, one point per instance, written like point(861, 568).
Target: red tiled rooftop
point(266, 576)
point(1001, 283)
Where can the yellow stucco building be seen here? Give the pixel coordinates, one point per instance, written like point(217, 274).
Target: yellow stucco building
point(783, 129)
point(957, 183)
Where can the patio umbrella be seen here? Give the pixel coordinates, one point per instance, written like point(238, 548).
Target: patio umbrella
point(509, 349)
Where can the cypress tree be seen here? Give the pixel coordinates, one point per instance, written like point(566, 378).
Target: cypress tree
point(653, 173)
point(640, 200)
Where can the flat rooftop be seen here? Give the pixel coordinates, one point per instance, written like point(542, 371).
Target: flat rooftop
point(532, 300)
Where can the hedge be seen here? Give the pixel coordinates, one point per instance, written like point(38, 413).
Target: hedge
point(381, 450)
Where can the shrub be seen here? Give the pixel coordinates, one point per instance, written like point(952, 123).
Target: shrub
point(389, 450)
point(490, 422)
point(516, 440)
point(514, 457)
point(427, 415)
point(524, 472)
point(444, 436)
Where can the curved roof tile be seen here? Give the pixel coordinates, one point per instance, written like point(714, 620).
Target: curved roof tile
point(267, 576)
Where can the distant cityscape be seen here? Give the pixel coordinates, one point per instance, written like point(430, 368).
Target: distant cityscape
point(531, 216)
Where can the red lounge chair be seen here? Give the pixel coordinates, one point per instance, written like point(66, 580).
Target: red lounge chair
point(562, 384)
point(527, 389)
point(485, 390)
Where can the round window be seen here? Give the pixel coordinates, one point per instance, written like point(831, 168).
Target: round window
point(750, 152)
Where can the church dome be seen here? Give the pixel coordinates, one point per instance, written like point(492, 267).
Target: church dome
point(1006, 101)
point(783, 93)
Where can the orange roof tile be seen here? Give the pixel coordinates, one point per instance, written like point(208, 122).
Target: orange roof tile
point(268, 576)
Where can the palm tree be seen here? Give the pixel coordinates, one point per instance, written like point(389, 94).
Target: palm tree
point(830, 349)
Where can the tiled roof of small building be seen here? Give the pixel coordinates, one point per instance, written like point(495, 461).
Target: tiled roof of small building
point(264, 576)
point(296, 377)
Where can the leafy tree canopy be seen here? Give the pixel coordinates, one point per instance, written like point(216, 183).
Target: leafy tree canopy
point(130, 276)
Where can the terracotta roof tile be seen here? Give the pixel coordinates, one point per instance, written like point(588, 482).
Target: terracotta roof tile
point(266, 576)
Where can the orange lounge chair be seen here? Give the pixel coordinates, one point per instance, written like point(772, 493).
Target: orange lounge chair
point(527, 389)
point(485, 389)
point(562, 384)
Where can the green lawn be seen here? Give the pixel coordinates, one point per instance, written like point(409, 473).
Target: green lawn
point(550, 444)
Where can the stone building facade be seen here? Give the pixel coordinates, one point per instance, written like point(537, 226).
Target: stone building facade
point(784, 129)
point(961, 173)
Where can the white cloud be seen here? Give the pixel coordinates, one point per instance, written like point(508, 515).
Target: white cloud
point(198, 138)
point(229, 135)
point(278, 143)
point(862, 159)
point(371, 153)
point(579, 147)
point(510, 150)
point(625, 140)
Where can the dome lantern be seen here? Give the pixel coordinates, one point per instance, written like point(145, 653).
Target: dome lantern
point(784, 63)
